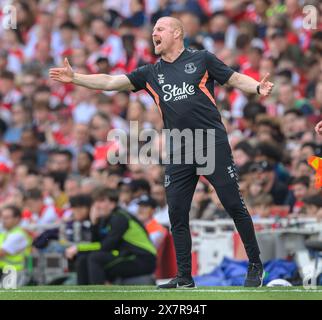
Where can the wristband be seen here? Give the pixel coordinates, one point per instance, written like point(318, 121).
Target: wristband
point(257, 89)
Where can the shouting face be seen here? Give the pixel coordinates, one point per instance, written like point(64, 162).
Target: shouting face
point(166, 32)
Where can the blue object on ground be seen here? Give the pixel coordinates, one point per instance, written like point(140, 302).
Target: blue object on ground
point(232, 272)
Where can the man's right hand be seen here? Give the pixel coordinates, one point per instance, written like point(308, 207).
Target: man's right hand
point(65, 74)
point(318, 128)
point(103, 82)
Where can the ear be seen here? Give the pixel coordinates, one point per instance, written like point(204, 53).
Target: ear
point(177, 33)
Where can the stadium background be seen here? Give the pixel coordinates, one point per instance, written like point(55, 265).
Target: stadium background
point(53, 136)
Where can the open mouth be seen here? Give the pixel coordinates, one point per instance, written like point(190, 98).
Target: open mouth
point(157, 42)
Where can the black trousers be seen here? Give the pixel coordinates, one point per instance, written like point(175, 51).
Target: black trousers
point(97, 267)
point(180, 184)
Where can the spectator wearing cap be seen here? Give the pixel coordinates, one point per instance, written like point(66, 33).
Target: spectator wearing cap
point(264, 174)
point(272, 152)
point(139, 187)
point(156, 231)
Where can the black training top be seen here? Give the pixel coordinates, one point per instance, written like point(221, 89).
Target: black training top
point(183, 90)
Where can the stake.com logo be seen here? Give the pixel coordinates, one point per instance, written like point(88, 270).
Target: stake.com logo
point(316, 164)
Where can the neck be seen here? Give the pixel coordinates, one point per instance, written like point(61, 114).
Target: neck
point(173, 54)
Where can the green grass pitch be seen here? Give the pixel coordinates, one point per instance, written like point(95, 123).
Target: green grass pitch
point(150, 293)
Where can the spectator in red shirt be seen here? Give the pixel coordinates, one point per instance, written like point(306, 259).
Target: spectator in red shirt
point(36, 213)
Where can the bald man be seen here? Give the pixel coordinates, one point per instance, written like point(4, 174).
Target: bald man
point(182, 86)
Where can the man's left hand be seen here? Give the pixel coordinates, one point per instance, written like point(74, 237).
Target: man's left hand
point(265, 87)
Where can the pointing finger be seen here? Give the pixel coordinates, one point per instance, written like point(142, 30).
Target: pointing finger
point(265, 77)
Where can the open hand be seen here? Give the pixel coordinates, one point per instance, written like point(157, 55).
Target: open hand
point(265, 87)
point(64, 74)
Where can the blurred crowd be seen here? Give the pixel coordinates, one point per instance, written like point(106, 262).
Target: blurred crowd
point(53, 136)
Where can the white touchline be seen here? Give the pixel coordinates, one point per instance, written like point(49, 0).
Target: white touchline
point(161, 291)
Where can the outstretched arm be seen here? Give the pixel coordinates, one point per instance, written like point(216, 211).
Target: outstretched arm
point(92, 81)
point(249, 85)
